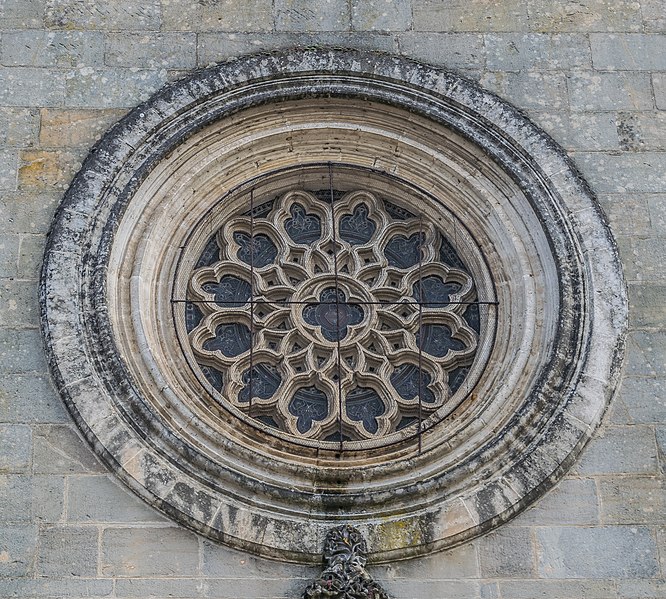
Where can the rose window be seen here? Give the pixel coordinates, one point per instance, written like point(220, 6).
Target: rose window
point(332, 315)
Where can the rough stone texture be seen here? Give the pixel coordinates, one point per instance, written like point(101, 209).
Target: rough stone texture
point(608, 113)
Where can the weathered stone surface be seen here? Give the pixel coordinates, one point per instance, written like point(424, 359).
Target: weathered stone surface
point(30, 398)
point(532, 91)
point(585, 15)
point(17, 550)
point(536, 51)
point(29, 86)
point(460, 51)
point(558, 589)
point(25, 498)
point(659, 86)
point(9, 250)
point(432, 15)
point(633, 500)
point(572, 501)
point(17, 305)
point(621, 449)
point(301, 15)
point(228, 15)
point(58, 449)
point(643, 259)
point(46, 169)
point(381, 15)
point(56, 587)
point(643, 172)
point(628, 52)
point(67, 551)
point(183, 588)
point(657, 209)
point(17, 14)
point(509, 553)
point(15, 448)
point(19, 127)
point(18, 352)
point(644, 399)
point(49, 49)
point(628, 214)
point(151, 50)
point(28, 211)
point(645, 354)
point(146, 552)
point(75, 128)
point(591, 90)
point(603, 552)
point(8, 169)
point(120, 14)
point(640, 131)
point(641, 589)
point(31, 252)
point(98, 499)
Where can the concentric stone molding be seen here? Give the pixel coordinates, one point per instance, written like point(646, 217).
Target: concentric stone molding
point(544, 254)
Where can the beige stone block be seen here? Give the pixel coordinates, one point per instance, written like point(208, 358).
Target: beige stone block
point(45, 169)
point(75, 128)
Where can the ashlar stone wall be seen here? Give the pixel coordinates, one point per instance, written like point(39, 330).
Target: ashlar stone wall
point(590, 72)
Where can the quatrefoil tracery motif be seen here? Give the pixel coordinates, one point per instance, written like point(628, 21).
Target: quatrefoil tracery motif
point(332, 328)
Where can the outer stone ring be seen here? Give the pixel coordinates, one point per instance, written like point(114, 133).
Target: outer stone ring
point(437, 412)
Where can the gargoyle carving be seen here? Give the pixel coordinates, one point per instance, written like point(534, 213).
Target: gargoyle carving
point(344, 575)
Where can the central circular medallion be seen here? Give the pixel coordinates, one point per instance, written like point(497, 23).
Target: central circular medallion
point(330, 310)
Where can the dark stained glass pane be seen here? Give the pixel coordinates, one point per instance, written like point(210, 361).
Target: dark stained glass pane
point(449, 256)
point(435, 291)
point(436, 340)
point(364, 405)
point(405, 422)
point(303, 227)
point(333, 316)
point(213, 376)
point(230, 339)
point(230, 292)
point(210, 255)
point(472, 317)
point(265, 382)
point(457, 378)
point(357, 228)
point(259, 250)
point(403, 252)
point(308, 404)
point(405, 380)
point(397, 212)
point(193, 316)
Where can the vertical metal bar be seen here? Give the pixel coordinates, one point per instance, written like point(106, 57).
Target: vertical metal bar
point(249, 410)
point(420, 328)
point(337, 299)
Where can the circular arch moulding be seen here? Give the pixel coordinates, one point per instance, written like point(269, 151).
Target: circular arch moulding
point(309, 131)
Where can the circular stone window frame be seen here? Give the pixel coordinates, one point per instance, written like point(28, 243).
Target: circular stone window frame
point(414, 503)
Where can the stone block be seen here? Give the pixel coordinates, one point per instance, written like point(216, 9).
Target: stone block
point(19, 127)
point(646, 353)
point(591, 90)
point(507, 553)
point(20, 351)
point(145, 552)
point(530, 91)
point(641, 589)
point(585, 15)
point(116, 15)
point(633, 500)
point(638, 131)
point(657, 209)
point(302, 15)
point(644, 399)
point(20, 14)
point(654, 15)
point(461, 562)
point(647, 306)
point(603, 552)
point(28, 211)
point(381, 15)
point(56, 587)
point(47, 169)
point(628, 52)
point(31, 253)
point(29, 86)
point(627, 214)
point(58, 449)
point(18, 304)
point(470, 15)
point(643, 259)
point(417, 589)
point(75, 128)
point(67, 551)
point(643, 172)
point(9, 250)
point(460, 51)
point(30, 398)
point(183, 588)
point(111, 88)
point(558, 589)
point(659, 86)
point(219, 561)
point(99, 499)
point(26, 498)
point(35, 48)
point(620, 450)
point(17, 550)
point(152, 50)
point(15, 448)
point(572, 501)
point(215, 47)
point(8, 169)
point(225, 15)
point(536, 51)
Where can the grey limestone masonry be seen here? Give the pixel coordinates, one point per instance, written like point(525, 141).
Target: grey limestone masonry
point(592, 73)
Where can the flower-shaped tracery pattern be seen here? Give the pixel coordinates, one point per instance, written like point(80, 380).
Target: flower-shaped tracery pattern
point(349, 316)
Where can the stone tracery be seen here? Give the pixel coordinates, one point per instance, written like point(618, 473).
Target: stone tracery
point(306, 291)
